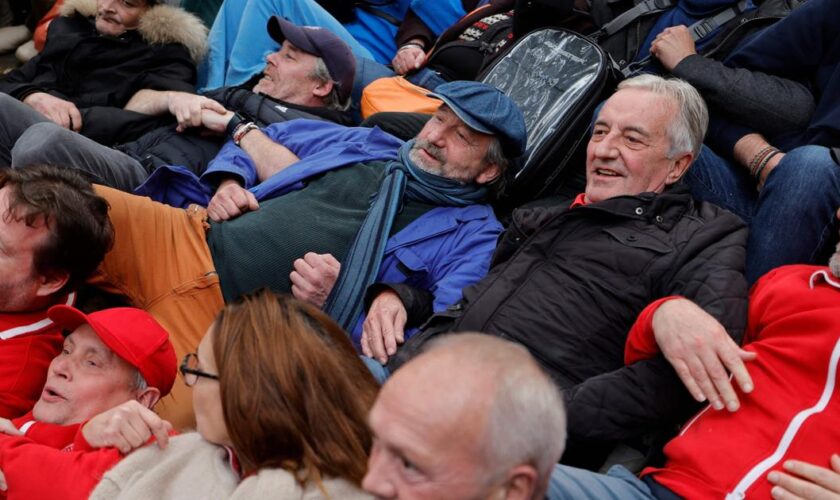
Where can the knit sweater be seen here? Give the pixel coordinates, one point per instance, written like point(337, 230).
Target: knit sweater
point(190, 467)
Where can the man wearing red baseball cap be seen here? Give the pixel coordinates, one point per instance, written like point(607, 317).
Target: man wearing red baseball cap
point(117, 359)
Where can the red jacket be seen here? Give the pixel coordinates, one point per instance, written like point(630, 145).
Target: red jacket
point(53, 461)
point(793, 411)
point(28, 343)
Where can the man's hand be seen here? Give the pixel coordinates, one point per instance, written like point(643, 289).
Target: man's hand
point(126, 427)
point(673, 45)
point(384, 326)
point(58, 111)
point(231, 200)
point(807, 481)
point(7, 427)
point(189, 108)
point(215, 121)
point(408, 58)
point(314, 276)
point(701, 351)
point(3, 485)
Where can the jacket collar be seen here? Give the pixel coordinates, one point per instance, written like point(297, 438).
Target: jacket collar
point(663, 209)
point(160, 25)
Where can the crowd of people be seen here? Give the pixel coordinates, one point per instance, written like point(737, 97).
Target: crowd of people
point(349, 315)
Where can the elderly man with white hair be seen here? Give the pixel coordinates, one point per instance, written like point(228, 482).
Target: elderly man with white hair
point(574, 283)
point(472, 417)
point(784, 441)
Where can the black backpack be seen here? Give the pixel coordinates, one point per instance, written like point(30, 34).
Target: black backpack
point(557, 78)
point(623, 25)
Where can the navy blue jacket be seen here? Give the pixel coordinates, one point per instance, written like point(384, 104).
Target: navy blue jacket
point(805, 48)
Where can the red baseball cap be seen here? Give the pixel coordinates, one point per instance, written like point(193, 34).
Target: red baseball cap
point(133, 334)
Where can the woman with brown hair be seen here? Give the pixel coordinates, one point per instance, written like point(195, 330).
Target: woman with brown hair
point(281, 400)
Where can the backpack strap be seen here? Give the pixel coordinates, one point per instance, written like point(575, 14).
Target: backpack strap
point(705, 26)
point(641, 9)
point(699, 30)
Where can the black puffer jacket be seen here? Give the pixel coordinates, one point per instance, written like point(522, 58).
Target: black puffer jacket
point(569, 283)
point(99, 74)
point(194, 149)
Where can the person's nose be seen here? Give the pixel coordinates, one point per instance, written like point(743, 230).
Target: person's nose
point(377, 481)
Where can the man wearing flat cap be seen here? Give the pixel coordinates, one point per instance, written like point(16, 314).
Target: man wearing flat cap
point(113, 361)
point(310, 76)
point(332, 217)
point(633, 257)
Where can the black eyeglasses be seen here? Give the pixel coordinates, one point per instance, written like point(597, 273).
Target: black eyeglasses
point(190, 371)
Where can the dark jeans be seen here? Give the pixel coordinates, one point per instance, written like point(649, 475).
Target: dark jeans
point(792, 220)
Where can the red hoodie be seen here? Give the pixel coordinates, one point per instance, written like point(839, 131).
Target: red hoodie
point(28, 343)
point(794, 327)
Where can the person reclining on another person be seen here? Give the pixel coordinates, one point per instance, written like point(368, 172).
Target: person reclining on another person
point(92, 66)
point(114, 361)
point(309, 77)
point(181, 267)
point(568, 282)
point(783, 441)
point(54, 232)
point(280, 398)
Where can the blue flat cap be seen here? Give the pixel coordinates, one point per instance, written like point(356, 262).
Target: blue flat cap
point(486, 109)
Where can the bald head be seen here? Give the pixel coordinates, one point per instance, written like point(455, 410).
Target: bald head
point(472, 416)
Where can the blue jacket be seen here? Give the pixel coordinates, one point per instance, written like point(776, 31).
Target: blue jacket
point(442, 251)
point(321, 146)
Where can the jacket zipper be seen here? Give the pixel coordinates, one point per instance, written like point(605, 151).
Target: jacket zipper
point(787, 438)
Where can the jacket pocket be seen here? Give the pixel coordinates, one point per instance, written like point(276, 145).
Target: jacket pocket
point(636, 239)
point(412, 266)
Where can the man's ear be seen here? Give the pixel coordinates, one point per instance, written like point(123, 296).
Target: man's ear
point(521, 483)
point(323, 89)
point(148, 397)
point(48, 285)
point(679, 168)
point(489, 174)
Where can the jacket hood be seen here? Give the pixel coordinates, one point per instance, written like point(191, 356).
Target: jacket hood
point(161, 24)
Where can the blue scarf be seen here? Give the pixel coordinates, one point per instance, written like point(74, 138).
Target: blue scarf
point(403, 180)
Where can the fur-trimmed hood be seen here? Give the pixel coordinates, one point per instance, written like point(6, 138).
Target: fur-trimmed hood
point(160, 24)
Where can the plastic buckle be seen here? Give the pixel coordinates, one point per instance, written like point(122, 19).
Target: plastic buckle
point(702, 29)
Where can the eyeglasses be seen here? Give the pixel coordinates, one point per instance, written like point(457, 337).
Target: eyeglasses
point(190, 371)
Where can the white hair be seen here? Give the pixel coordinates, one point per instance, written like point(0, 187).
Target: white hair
point(689, 125)
point(526, 423)
point(322, 74)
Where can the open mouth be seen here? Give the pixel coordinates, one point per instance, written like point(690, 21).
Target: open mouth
point(51, 396)
point(606, 172)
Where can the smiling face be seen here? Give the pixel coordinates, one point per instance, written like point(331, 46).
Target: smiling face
point(288, 77)
point(449, 148)
point(115, 17)
point(629, 147)
point(85, 379)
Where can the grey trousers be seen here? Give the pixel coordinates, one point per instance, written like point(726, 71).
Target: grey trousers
point(15, 118)
point(51, 144)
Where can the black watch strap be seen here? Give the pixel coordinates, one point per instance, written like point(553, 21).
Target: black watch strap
point(233, 123)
